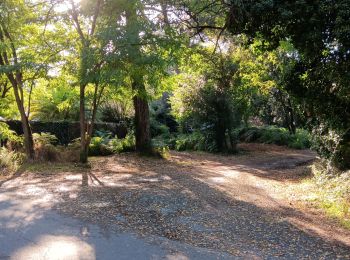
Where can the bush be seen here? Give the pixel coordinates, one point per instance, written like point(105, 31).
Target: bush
point(275, 135)
point(10, 160)
point(9, 138)
point(99, 146)
point(195, 142)
point(47, 150)
point(158, 128)
point(332, 191)
point(122, 145)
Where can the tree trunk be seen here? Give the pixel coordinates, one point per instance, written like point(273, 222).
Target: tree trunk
point(291, 117)
point(142, 121)
point(27, 132)
point(83, 143)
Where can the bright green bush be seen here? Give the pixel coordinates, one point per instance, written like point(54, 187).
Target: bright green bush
point(99, 146)
point(126, 144)
point(7, 134)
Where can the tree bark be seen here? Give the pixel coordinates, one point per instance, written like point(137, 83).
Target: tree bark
point(16, 80)
point(27, 132)
point(142, 121)
point(83, 143)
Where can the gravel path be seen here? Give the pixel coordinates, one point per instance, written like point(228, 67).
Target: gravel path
point(191, 206)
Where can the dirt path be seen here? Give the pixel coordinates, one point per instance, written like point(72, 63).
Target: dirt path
point(191, 206)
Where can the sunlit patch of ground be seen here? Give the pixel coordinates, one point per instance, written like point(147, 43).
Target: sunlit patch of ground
point(239, 204)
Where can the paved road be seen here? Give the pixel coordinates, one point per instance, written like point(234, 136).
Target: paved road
point(30, 229)
point(194, 206)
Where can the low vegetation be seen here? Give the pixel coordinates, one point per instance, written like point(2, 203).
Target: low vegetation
point(329, 191)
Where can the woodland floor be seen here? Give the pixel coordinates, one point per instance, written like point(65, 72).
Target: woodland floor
point(190, 206)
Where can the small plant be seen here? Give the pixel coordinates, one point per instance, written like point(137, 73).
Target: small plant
point(9, 136)
point(45, 139)
point(10, 161)
point(122, 145)
point(99, 146)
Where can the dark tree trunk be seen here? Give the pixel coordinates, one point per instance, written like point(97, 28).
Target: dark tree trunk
point(142, 122)
point(292, 127)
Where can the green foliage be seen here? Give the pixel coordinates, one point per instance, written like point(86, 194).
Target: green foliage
point(331, 192)
point(194, 142)
point(99, 146)
point(275, 135)
point(126, 144)
point(10, 161)
point(55, 99)
point(210, 97)
point(7, 134)
point(45, 139)
point(319, 76)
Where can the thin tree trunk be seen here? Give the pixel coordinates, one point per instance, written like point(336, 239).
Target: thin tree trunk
point(27, 132)
point(291, 117)
point(83, 146)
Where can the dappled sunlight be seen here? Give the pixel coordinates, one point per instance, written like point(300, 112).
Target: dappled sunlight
point(216, 203)
point(56, 247)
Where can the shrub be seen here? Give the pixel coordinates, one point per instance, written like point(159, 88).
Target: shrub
point(301, 140)
point(44, 147)
point(332, 191)
point(45, 138)
point(10, 160)
point(275, 135)
point(126, 144)
point(6, 133)
point(9, 138)
point(99, 146)
point(158, 128)
point(195, 141)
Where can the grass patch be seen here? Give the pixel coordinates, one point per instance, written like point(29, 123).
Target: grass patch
point(52, 167)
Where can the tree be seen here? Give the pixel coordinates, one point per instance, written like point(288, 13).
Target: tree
point(211, 97)
point(23, 54)
point(319, 31)
point(89, 67)
point(141, 48)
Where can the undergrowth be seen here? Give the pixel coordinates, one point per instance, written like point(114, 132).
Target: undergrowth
point(274, 135)
point(331, 192)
